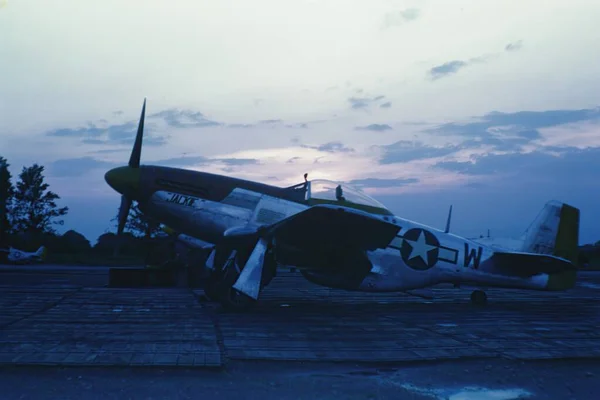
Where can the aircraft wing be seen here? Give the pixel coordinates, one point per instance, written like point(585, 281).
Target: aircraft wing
point(318, 227)
point(528, 264)
point(336, 226)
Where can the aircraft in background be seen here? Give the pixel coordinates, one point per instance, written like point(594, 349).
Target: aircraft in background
point(335, 235)
point(15, 256)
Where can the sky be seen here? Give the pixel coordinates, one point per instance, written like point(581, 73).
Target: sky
point(489, 105)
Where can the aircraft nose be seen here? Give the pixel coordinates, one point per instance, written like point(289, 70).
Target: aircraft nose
point(124, 180)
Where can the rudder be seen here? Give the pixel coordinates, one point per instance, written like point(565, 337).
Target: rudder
point(567, 237)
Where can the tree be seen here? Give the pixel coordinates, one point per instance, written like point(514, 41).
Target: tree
point(34, 205)
point(138, 224)
point(73, 242)
point(6, 196)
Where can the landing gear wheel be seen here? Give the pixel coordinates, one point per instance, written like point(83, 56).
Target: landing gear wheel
point(479, 297)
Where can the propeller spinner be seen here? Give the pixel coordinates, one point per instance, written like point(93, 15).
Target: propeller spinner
point(125, 180)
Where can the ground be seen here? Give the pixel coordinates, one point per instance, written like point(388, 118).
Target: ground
point(456, 380)
point(63, 334)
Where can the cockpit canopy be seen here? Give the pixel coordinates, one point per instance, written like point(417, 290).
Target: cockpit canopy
point(322, 191)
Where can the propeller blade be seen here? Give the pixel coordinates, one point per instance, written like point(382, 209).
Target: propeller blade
point(136, 152)
point(123, 214)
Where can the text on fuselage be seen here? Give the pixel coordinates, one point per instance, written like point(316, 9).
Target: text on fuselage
point(182, 200)
point(472, 255)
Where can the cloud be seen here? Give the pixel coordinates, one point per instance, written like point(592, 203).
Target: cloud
point(181, 162)
point(237, 161)
point(542, 119)
point(240, 125)
point(188, 161)
point(514, 46)
point(176, 118)
point(405, 150)
point(275, 123)
point(382, 183)
point(446, 69)
point(511, 131)
point(397, 18)
point(358, 103)
point(91, 131)
point(387, 104)
point(452, 67)
point(330, 147)
point(374, 127)
point(108, 151)
point(116, 134)
point(194, 119)
point(537, 166)
point(335, 147)
point(73, 167)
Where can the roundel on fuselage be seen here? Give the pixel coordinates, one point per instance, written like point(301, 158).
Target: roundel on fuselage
point(420, 249)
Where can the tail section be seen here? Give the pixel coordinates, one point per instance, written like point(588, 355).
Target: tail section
point(555, 231)
point(41, 253)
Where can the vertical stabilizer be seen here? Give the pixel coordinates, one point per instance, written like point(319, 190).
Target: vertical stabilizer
point(555, 231)
point(41, 253)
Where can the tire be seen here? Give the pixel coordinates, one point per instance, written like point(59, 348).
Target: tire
point(479, 297)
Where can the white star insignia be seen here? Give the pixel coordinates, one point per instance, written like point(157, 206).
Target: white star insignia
point(420, 248)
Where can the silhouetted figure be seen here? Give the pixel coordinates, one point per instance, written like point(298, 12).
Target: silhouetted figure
point(339, 193)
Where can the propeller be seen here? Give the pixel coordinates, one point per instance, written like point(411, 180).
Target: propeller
point(134, 162)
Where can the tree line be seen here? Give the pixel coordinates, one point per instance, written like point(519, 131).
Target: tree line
point(29, 214)
point(28, 208)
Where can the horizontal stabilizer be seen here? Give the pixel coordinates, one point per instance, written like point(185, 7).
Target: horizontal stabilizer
point(529, 264)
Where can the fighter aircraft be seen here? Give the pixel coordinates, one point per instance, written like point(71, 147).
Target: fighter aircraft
point(335, 235)
point(15, 256)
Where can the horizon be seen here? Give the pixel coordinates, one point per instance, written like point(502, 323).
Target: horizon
point(399, 98)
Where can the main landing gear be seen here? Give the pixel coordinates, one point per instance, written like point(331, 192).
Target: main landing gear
point(220, 286)
point(479, 297)
point(224, 275)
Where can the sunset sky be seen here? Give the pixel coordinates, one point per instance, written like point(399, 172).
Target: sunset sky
point(489, 105)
